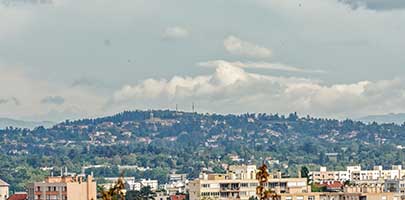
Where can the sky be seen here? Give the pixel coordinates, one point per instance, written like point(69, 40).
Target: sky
point(70, 59)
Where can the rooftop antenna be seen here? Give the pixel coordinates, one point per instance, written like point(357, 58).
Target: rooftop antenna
point(193, 107)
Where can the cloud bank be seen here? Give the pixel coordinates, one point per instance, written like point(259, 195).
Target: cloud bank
point(376, 4)
point(259, 65)
point(34, 99)
point(236, 46)
point(232, 89)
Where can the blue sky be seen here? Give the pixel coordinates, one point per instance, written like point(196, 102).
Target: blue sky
point(329, 58)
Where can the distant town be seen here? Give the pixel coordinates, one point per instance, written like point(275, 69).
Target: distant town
point(237, 182)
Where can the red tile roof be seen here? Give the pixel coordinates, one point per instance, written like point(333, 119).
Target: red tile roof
point(333, 185)
point(178, 197)
point(18, 197)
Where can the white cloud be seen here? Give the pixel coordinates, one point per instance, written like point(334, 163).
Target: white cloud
point(259, 65)
point(28, 98)
point(175, 32)
point(13, 20)
point(237, 46)
point(376, 4)
point(231, 89)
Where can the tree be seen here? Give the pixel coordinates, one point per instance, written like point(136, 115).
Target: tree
point(252, 198)
point(144, 194)
point(305, 173)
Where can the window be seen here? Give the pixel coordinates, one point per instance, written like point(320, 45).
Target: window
point(288, 198)
point(254, 184)
point(311, 198)
point(244, 185)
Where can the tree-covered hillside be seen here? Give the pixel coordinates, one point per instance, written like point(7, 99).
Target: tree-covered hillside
point(189, 142)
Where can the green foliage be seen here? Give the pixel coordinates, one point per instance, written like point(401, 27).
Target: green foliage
point(253, 198)
point(305, 172)
point(144, 194)
point(317, 188)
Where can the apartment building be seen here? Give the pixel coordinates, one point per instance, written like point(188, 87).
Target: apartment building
point(355, 173)
point(63, 188)
point(339, 196)
point(4, 187)
point(153, 184)
point(396, 186)
point(240, 183)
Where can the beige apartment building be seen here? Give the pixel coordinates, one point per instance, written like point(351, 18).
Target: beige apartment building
point(240, 183)
point(63, 188)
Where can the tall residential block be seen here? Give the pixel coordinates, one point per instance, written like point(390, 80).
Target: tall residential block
point(63, 188)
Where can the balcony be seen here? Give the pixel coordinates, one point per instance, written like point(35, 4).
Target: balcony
point(230, 189)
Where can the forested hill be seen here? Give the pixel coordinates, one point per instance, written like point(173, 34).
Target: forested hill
point(189, 142)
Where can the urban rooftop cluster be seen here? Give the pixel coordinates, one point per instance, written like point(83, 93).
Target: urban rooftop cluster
point(238, 182)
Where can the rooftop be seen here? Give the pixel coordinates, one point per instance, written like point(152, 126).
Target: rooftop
point(3, 183)
point(18, 196)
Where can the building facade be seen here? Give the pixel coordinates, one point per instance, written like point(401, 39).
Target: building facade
point(4, 187)
point(240, 183)
point(63, 188)
point(153, 184)
point(355, 173)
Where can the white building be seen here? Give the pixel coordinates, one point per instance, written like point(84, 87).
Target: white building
point(355, 173)
point(153, 184)
point(128, 181)
point(4, 190)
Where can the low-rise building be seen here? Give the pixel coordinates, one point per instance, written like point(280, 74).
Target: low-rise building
point(178, 187)
point(129, 183)
point(19, 196)
point(4, 190)
point(397, 186)
point(338, 196)
point(355, 173)
point(153, 184)
point(63, 188)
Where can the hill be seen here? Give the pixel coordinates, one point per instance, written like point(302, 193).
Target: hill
point(167, 141)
